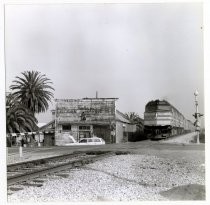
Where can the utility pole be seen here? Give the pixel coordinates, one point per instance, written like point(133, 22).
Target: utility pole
point(197, 116)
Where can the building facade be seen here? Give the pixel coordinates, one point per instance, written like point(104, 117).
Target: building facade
point(88, 117)
point(46, 134)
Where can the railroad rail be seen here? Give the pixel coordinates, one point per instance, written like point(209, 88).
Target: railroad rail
point(24, 171)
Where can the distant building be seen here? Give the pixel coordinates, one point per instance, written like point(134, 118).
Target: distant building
point(88, 117)
point(47, 134)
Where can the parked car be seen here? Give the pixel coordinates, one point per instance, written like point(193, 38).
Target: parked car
point(92, 141)
point(85, 141)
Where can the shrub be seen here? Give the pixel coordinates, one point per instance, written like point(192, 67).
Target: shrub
point(137, 136)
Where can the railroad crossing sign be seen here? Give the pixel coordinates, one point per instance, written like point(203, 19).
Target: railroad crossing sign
point(197, 125)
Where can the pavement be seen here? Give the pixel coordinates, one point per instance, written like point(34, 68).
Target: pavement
point(144, 147)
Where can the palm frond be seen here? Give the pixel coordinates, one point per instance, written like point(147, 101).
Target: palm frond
point(33, 90)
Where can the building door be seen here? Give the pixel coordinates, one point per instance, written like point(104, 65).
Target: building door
point(104, 132)
point(84, 131)
point(84, 134)
point(49, 139)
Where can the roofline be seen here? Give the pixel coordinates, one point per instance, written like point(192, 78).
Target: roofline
point(122, 114)
point(129, 123)
point(100, 98)
point(68, 99)
point(46, 124)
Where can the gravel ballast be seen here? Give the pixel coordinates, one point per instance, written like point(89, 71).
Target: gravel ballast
point(184, 139)
point(117, 178)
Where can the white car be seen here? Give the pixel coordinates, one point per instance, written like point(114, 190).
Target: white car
point(92, 141)
point(84, 141)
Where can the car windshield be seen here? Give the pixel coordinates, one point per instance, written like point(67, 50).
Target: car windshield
point(83, 141)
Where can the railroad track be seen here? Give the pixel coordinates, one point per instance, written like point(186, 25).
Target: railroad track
point(28, 171)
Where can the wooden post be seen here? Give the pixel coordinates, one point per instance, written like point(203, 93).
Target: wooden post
point(198, 140)
point(21, 147)
point(21, 151)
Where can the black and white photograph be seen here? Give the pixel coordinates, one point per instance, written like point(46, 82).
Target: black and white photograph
point(104, 102)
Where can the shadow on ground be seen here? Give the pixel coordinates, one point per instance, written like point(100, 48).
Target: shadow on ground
point(187, 192)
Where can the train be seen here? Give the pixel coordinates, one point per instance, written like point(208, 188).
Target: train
point(162, 120)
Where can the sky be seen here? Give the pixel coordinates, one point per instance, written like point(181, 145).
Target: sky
point(134, 52)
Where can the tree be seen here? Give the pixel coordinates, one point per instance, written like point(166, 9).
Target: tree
point(134, 118)
point(19, 118)
point(33, 90)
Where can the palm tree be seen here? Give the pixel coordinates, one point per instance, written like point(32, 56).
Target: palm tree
point(33, 90)
point(19, 118)
point(139, 122)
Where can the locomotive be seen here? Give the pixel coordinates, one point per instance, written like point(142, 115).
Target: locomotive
point(162, 120)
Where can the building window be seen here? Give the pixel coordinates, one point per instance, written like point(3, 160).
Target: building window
point(66, 127)
point(84, 127)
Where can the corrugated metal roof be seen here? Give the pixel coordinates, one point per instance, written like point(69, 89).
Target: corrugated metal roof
point(41, 124)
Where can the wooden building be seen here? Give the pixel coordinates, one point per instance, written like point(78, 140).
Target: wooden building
point(88, 117)
point(46, 134)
